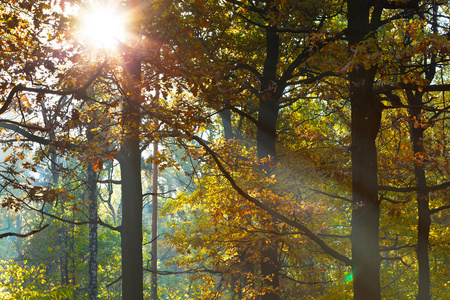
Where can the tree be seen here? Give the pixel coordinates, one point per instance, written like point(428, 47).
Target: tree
point(154, 288)
point(366, 117)
point(363, 21)
point(264, 85)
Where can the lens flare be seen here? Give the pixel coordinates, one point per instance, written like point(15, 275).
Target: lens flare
point(349, 277)
point(102, 27)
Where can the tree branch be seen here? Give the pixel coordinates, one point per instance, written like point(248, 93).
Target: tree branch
point(24, 133)
point(305, 231)
point(82, 90)
point(414, 188)
point(34, 138)
point(3, 235)
point(99, 221)
point(332, 196)
point(436, 210)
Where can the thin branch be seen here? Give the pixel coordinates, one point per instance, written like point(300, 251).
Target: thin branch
point(114, 282)
point(331, 196)
point(36, 138)
point(26, 126)
point(395, 248)
point(193, 271)
point(414, 188)
point(109, 181)
point(24, 133)
point(79, 91)
point(244, 114)
point(304, 282)
point(436, 210)
point(336, 236)
point(99, 221)
point(154, 239)
point(3, 235)
point(158, 194)
point(395, 258)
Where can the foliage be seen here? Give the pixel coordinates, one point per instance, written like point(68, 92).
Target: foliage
point(22, 281)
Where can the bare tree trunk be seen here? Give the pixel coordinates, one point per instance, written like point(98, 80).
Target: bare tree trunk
point(130, 169)
point(154, 265)
point(62, 231)
point(93, 242)
point(366, 118)
point(131, 228)
point(73, 258)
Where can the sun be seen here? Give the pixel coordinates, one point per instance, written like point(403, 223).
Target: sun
point(102, 27)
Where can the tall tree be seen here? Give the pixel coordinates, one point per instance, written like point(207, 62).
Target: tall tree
point(154, 236)
point(365, 118)
point(92, 202)
point(263, 83)
point(129, 158)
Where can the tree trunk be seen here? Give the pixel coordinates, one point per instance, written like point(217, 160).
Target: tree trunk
point(270, 270)
point(366, 118)
point(130, 169)
point(266, 136)
point(93, 242)
point(424, 222)
point(423, 210)
point(131, 228)
point(423, 232)
point(62, 230)
point(225, 116)
point(154, 265)
point(130, 166)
